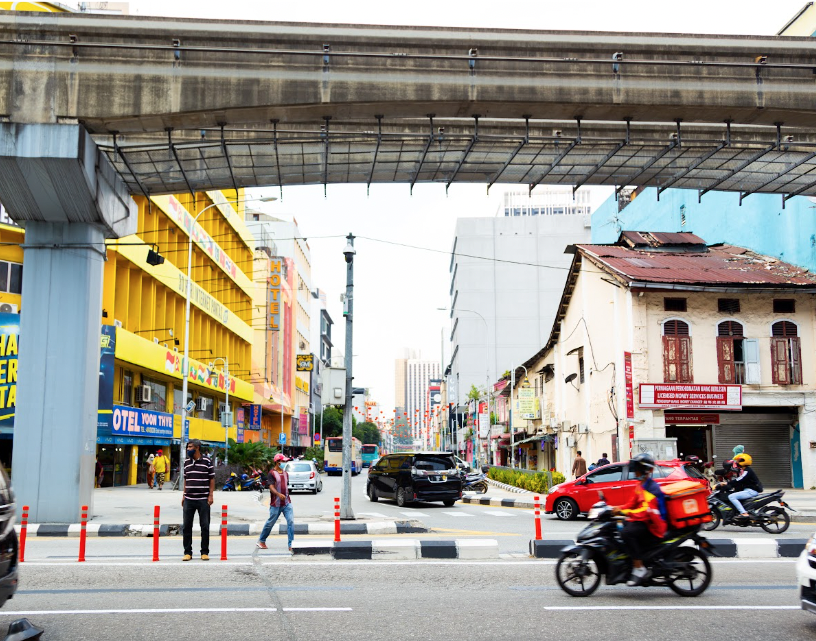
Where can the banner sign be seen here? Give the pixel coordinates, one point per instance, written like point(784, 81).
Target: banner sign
point(131, 421)
point(305, 362)
point(275, 278)
point(630, 394)
point(9, 347)
point(254, 422)
point(703, 397)
point(691, 419)
point(239, 417)
point(484, 425)
point(303, 422)
point(106, 375)
point(526, 404)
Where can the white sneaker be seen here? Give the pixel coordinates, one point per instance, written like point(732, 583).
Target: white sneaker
point(638, 576)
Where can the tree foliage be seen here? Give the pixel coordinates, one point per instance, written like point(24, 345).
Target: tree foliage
point(474, 394)
point(333, 422)
point(248, 454)
point(367, 432)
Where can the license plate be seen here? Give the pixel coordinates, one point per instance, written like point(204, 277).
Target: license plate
point(298, 485)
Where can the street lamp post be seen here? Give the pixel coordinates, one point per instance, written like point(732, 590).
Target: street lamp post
point(185, 369)
point(345, 504)
point(487, 376)
point(226, 419)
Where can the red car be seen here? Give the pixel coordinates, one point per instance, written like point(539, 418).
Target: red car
point(568, 500)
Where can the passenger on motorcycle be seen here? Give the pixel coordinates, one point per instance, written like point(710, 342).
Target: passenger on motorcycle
point(645, 516)
point(746, 483)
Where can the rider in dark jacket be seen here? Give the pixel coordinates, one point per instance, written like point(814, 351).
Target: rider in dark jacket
point(745, 485)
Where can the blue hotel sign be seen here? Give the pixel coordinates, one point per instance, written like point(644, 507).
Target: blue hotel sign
point(131, 421)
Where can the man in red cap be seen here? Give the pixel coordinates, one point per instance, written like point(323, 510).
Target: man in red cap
point(280, 503)
point(162, 466)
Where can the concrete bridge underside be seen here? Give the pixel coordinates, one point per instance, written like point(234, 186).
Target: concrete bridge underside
point(184, 105)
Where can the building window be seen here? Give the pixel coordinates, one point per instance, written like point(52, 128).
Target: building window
point(158, 395)
point(674, 304)
point(676, 352)
point(127, 388)
point(581, 369)
point(784, 306)
point(730, 352)
point(178, 405)
point(728, 305)
point(786, 353)
point(11, 277)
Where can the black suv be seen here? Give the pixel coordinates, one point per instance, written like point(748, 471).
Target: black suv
point(8, 540)
point(415, 476)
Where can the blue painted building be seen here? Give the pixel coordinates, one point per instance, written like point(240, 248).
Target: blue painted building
point(760, 224)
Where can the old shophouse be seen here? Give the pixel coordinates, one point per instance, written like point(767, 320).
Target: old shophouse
point(666, 344)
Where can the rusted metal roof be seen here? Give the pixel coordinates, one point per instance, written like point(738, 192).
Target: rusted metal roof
point(659, 239)
point(717, 265)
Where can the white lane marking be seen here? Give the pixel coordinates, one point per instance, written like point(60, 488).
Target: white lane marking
point(167, 611)
point(498, 513)
point(458, 513)
point(568, 608)
point(377, 514)
point(415, 513)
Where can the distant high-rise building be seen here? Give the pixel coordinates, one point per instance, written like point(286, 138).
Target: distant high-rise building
point(412, 377)
point(552, 201)
point(400, 370)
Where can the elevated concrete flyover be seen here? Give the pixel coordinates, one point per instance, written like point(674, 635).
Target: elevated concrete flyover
point(183, 105)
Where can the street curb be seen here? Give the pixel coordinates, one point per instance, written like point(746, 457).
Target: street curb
point(398, 550)
point(725, 548)
point(72, 530)
point(509, 488)
point(502, 502)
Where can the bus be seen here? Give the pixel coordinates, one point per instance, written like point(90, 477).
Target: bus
point(333, 456)
point(371, 454)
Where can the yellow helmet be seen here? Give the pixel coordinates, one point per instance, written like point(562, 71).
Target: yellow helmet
point(743, 460)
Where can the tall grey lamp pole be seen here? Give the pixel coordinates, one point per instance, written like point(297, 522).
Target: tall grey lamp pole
point(345, 503)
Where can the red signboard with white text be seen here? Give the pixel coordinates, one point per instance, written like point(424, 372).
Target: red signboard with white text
point(630, 394)
point(690, 396)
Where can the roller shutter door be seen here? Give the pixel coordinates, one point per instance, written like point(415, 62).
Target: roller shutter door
point(768, 444)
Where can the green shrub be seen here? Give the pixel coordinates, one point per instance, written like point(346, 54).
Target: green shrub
point(537, 482)
point(558, 478)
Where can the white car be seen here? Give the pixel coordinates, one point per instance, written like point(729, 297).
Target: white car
point(806, 574)
point(303, 475)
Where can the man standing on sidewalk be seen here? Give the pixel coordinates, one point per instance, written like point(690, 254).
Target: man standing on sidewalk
point(199, 484)
point(579, 466)
point(280, 503)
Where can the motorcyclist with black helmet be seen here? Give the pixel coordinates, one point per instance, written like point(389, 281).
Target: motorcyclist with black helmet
point(645, 514)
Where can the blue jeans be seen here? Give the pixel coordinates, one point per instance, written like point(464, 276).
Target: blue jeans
point(736, 497)
point(274, 513)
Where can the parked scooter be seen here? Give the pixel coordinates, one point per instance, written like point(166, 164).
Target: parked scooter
point(600, 551)
point(774, 519)
point(245, 483)
point(474, 482)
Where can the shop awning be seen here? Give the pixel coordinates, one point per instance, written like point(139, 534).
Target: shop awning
point(540, 437)
point(133, 440)
point(501, 436)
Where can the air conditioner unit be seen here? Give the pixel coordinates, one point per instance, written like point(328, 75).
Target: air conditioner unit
point(202, 403)
point(570, 441)
point(117, 323)
point(583, 429)
point(156, 340)
point(143, 394)
point(222, 408)
point(553, 422)
point(8, 308)
point(565, 426)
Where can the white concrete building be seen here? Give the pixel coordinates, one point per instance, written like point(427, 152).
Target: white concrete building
point(506, 278)
point(659, 336)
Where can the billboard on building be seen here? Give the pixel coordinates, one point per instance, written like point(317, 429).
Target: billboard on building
point(9, 341)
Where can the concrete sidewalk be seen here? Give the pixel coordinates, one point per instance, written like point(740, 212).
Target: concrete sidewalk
point(128, 511)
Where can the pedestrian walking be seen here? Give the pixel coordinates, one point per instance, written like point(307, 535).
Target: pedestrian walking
point(199, 485)
point(280, 503)
point(579, 466)
point(151, 471)
point(603, 460)
point(99, 473)
point(161, 464)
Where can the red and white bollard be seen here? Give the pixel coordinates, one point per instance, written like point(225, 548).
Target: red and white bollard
point(223, 532)
point(156, 533)
point(23, 531)
point(83, 524)
point(537, 518)
point(337, 519)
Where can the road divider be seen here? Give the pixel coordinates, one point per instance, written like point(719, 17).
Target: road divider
point(397, 550)
point(742, 548)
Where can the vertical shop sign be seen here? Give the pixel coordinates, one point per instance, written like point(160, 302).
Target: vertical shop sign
point(630, 394)
point(9, 341)
point(303, 421)
point(106, 374)
point(254, 422)
point(275, 276)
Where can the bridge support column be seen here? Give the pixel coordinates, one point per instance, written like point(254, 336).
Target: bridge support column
point(54, 178)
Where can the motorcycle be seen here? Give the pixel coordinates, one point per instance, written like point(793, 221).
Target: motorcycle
point(244, 483)
point(774, 519)
point(600, 551)
point(474, 482)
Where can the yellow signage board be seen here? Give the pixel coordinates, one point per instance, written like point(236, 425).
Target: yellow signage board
point(144, 353)
point(305, 362)
point(302, 385)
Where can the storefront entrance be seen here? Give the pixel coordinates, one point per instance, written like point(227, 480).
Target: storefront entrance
point(115, 464)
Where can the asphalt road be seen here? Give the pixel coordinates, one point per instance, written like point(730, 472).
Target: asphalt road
point(263, 597)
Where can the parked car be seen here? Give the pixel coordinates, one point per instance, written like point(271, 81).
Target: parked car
point(616, 481)
point(415, 476)
point(8, 540)
point(303, 475)
point(806, 575)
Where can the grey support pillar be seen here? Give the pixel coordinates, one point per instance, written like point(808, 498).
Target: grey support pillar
point(55, 181)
